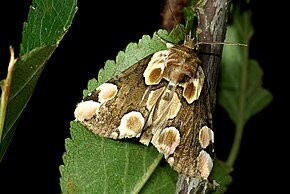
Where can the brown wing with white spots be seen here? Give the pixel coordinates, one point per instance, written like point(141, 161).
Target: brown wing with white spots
point(160, 99)
point(117, 108)
point(193, 155)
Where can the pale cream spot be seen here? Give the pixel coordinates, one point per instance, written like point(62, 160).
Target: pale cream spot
point(86, 110)
point(204, 164)
point(169, 45)
point(107, 91)
point(114, 135)
point(192, 88)
point(189, 91)
point(153, 97)
point(206, 136)
point(153, 73)
point(168, 140)
point(174, 107)
point(131, 125)
point(145, 138)
point(170, 161)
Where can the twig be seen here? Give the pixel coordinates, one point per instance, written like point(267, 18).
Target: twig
point(5, 86)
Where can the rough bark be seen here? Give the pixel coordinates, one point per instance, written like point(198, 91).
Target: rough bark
point(212, 21)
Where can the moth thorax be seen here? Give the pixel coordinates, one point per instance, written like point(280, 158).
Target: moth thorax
point(176, 75)
point(182, 66)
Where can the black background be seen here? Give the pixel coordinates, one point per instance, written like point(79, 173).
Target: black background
point(98, 32)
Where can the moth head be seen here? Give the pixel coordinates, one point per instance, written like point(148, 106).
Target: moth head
point(189, 41)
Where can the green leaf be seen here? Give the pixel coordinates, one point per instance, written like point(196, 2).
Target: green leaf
point(241, 93)
point(100, 165)
point(48, 21)
point(221, 173)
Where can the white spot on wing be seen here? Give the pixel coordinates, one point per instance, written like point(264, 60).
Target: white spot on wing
point(200, 78)
point(175, 106)
point(86, 110)
point(205, 137)
point(107, 91)
point(157, 62)
point(170, 161)
point(167, 141)
point(204, 164)
point(131, 124)
point(153, 97)
point(114, 135)
point(192, 88)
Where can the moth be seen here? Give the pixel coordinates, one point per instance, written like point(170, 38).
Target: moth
point(162, 100)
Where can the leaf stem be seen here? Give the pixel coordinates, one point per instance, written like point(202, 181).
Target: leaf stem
point(237, 139)
point(241, 115)
point(147, 175)
point(5, 86)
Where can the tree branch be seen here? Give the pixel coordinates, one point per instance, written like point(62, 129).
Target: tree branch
point(212, 21)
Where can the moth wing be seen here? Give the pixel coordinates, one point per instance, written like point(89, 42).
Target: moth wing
point(193, 155)
point(125, 113)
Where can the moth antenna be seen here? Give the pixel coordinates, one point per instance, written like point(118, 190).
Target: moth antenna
point(224, 43)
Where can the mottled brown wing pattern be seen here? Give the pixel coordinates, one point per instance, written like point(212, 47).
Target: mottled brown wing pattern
point(163, 100)
point(130, 90)
point(190, 120)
